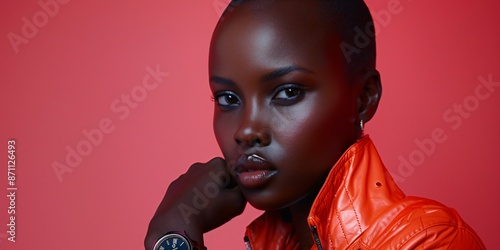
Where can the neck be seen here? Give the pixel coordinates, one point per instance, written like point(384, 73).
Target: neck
point(299, 213)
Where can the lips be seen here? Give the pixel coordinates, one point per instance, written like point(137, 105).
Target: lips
point(253, 171)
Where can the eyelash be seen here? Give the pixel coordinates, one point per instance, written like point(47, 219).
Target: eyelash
point(225, 93)
point(297, 95)
point(297, 91)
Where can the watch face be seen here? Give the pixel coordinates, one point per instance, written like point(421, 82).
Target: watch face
point(172, 242)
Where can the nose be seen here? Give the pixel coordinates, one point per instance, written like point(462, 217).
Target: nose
point(250, 136)
point(253, 131)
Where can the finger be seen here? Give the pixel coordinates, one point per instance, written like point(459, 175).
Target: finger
point(232, 182)
point(221, 173)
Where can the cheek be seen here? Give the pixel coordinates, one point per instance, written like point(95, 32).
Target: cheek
point(316, 129)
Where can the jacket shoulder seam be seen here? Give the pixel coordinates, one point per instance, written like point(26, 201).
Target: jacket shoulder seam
point(440, 224)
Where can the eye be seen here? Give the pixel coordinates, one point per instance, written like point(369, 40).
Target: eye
point(226, 99)
point(288, 94)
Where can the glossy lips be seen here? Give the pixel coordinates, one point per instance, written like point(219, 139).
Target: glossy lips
point(253, 171)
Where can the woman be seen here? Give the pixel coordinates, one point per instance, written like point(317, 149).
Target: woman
point(292, 94)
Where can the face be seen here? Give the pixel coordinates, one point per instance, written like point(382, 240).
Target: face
point(284, 111)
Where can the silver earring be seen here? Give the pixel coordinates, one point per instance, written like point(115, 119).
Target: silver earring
point(361, 125)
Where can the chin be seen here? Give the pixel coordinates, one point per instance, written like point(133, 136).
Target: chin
point(267, 206)
point(267, 203)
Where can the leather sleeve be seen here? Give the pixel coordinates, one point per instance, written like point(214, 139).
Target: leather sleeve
point(443, 237)
point(430, 226)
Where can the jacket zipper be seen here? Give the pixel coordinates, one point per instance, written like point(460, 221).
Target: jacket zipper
point(316, 237)
point(247, 243)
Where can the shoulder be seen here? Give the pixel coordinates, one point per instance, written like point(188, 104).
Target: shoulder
point(416, 222)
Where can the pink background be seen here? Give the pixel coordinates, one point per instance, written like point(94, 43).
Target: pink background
point(87, 54)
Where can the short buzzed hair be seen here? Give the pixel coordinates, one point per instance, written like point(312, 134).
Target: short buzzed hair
point(353, 24)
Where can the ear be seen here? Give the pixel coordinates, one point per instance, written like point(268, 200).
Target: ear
point(369, 97)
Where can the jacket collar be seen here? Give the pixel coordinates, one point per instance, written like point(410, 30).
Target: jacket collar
point(355, 193)
point(357, 190)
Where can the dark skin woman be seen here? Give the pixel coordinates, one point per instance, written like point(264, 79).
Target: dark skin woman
point(288, 103)
point(282, 93)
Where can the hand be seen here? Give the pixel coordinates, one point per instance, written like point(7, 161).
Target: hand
point(203, 198)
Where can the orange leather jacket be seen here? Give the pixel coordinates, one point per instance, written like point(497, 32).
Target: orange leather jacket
point(361, 207)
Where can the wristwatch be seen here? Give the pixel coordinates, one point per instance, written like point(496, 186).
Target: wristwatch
point(177, 240)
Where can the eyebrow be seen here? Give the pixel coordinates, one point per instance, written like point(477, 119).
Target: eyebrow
point(221, 80)
point(280, 72)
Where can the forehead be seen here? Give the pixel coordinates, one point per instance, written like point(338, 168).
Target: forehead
point(273, 33)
